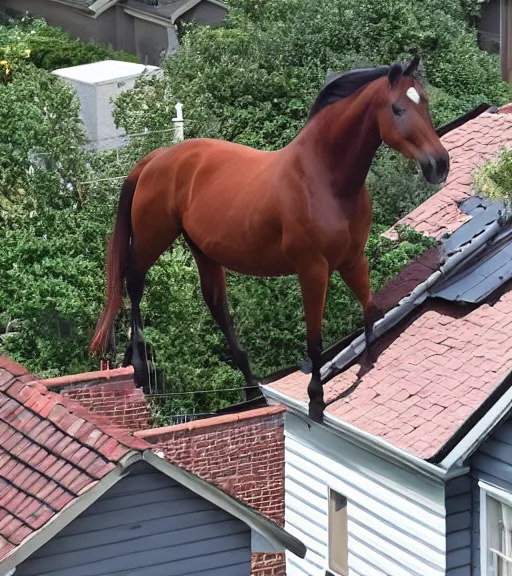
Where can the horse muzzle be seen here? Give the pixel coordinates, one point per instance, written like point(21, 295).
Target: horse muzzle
point(435, 168)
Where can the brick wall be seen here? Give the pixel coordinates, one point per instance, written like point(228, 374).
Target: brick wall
point(111, 393)
point(243, 454)
point(268, 565)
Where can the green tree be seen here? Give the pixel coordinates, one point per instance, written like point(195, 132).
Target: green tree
point(252, 81)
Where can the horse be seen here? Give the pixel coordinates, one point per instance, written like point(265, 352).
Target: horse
point(303, 209)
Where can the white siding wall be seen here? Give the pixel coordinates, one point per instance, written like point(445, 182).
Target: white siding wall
point(396, 519)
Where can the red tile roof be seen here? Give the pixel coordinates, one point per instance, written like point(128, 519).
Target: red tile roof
point(430, 377)
point(469, 146)
point(52, 450)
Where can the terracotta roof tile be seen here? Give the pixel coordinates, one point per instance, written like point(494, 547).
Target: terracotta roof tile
point(428, 379)
point(51, 450)
point(469, 146)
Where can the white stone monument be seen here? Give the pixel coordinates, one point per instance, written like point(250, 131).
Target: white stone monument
point(97, 84)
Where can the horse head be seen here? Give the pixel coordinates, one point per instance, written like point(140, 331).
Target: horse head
point(404, 122)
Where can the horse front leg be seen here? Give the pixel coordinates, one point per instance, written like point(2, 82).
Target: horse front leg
point(313, 282)
point(357, 278)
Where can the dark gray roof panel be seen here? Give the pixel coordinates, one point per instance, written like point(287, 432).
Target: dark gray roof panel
point(473, 203)
point(482, 215)
point(478, 281)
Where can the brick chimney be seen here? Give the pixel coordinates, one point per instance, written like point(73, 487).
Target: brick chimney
point(111, 393)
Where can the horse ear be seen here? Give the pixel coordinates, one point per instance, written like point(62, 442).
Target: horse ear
point(394, 74)
point(411, 68)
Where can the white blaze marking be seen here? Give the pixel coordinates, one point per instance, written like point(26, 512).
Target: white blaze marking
point(412, 93)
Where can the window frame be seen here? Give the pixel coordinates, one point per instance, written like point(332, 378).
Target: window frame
point(332, 493)
point(501, 496)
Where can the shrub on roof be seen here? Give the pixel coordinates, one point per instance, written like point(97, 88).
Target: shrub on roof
point(493, 180)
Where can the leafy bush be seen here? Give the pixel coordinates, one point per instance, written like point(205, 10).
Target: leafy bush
point(51, 48)
point(494, 179)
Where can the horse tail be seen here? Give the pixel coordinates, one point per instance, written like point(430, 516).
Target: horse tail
point(117, 264)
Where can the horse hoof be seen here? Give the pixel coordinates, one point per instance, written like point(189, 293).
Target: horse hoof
point(307, 366)
point(316, 412)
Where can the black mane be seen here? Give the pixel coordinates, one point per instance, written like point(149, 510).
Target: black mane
point(341, 86)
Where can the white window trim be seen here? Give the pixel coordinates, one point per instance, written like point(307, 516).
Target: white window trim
point(500, 495)
point(327, 563)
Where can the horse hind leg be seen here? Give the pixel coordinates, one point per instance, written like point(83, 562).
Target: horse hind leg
point(213, 286)
point(136, 354)
point(148, 245)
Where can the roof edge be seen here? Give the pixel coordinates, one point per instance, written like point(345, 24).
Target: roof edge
point(363, 439)
point(210, 422)
point(277, 536)
point(80, 7)
point(97, 377)
point(58, 522)
point(478, 427)
point(100, 6)
point(466, 117)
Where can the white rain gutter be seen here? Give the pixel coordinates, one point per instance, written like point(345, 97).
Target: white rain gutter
point(361, 438)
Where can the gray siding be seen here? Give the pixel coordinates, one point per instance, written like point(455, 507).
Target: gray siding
point(493, 464)
point(146, 525)
point(458, 526)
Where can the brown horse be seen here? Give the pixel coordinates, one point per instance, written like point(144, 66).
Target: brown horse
point(300, 210)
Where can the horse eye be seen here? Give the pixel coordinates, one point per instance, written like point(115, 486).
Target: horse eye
point(396, 110)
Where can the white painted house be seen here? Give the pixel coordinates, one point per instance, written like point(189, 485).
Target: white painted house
point(410, 473)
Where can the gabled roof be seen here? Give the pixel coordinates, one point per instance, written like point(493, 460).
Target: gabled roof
point(57, 458)
point(51, 451)
point(171, 10)
point(167, 12)
point(440, 365)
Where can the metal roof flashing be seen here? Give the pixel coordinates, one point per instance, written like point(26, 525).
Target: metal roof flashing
point(457, 256)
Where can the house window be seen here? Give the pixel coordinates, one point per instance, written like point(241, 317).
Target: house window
point(338, 534)
point(495, 531)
